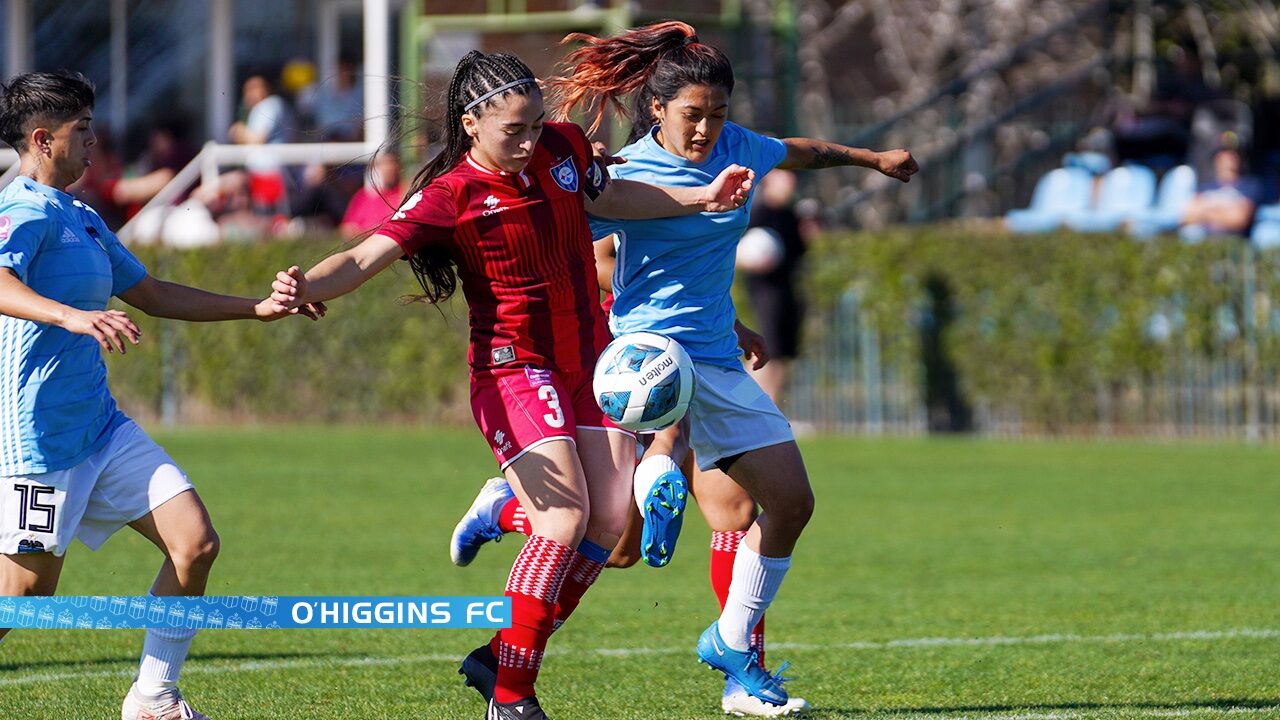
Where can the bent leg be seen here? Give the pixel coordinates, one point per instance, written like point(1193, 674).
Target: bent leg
point(29, 574)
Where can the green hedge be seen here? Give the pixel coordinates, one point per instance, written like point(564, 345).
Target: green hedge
point(1042, 323)
point(373, 358)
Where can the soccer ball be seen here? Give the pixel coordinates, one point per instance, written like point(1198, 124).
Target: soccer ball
point(759, 251)
point(643, 381)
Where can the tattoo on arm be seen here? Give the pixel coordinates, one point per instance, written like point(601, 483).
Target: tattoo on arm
point(825, 156)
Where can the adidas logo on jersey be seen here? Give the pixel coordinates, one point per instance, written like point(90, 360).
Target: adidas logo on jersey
point(69, 237)
point(491, 204)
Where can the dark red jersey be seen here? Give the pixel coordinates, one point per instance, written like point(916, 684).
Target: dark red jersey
point(523, 250)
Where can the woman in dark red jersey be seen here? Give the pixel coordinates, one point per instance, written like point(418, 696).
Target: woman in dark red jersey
point(504, 206)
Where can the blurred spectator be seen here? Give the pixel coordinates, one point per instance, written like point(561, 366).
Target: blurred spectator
point(769, 257)
point(1266, 138)
point(1159, 134)
point(321, 199)
point(377, 199)
point(267, 121)
point(167, 153)
point(1225, 205)
point(336, 105)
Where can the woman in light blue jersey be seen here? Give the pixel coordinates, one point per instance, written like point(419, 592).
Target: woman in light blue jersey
point(673, 277)
point(72, 464)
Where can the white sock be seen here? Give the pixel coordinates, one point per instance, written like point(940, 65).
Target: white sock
point(163, 652)
point(647, 471)
point(756, 579)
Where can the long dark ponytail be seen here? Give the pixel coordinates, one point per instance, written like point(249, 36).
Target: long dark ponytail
point(476, 76)
point(654, 61)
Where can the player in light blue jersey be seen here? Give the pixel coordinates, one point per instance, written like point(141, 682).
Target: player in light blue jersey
point(673, 277)
point(72, 465)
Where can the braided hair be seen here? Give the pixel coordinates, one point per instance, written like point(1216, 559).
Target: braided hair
point(645, 63)
point(477, 76)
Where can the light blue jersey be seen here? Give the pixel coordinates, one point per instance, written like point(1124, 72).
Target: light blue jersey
point(55, 409)
point(673, 275)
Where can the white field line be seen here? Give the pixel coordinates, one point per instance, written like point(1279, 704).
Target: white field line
point(1094, 712)
point(995, 641)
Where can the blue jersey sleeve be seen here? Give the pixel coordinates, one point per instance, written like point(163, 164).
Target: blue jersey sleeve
point(22, 231)
point(126, 269)
point(760, 152)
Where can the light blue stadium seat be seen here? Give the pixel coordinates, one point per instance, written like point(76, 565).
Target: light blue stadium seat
point(1125, 192)
point(1059, 194)
point(1266, 227)
point(1176, 190)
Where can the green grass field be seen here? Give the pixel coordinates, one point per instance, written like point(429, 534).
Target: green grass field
point(938, 579)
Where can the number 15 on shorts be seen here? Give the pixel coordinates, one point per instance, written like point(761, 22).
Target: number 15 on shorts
point(28, 507)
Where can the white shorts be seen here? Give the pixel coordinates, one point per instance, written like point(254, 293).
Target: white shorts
point(729, 415)
point(129, 477)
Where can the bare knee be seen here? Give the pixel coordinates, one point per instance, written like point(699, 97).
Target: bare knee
point(30, 574)
point(197, 553)
point(791, 512)
point(565, 527)
point(797, 511)
point(729, 514)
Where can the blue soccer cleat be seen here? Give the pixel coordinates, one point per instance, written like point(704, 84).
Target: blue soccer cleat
point(662, 508)
point(737, 701)
point(480, 524)
point(742, 667)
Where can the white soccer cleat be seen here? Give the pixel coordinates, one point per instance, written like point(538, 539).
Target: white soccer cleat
point(739, 702)
point(480, 523)
point(168, 706)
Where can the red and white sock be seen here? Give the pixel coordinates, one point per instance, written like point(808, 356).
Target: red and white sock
point(533, 586)
point(585, 567)
point(512, 518)
point(724, 550)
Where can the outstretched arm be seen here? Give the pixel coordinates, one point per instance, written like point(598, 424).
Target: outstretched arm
point(160, 298)
point(630, 200)
point(337, 274)
point(810, 154)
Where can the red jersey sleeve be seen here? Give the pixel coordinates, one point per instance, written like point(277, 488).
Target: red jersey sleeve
point(427, 217)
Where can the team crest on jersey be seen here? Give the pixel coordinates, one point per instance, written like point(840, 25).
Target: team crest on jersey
point(6, 227)
point(566, 175)
point(597, 178)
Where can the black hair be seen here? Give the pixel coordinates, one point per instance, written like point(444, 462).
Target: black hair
point(41, 97)
point(477, 75)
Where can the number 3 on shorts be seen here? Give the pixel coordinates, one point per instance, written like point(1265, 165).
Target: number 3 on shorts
point(555, 418)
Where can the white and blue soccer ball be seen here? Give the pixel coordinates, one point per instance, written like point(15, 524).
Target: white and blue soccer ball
point(644, 381)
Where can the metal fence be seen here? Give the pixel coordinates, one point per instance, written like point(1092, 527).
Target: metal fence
point(855, 378)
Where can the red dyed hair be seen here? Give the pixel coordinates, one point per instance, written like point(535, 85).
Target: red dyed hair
point(654, 61)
